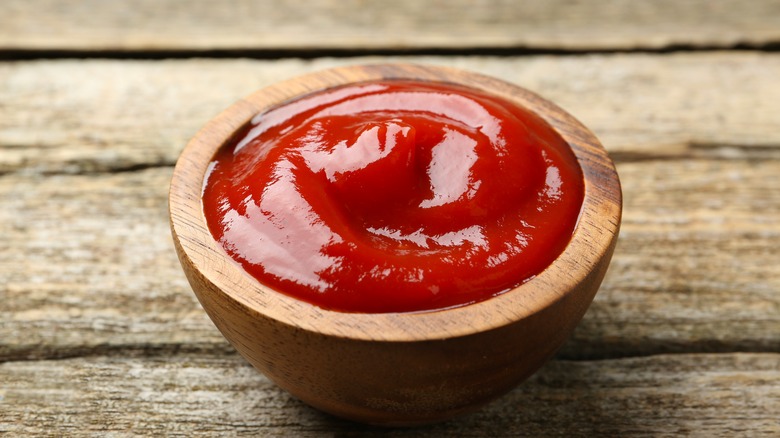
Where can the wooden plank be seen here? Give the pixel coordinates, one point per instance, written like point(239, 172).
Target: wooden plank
point(707, 395)
point(697, 258)
point(88, 116)
point(88, 266)
point(88, 263)
point(149, 25)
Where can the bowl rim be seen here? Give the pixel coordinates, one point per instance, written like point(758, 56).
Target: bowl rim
point(592, 240)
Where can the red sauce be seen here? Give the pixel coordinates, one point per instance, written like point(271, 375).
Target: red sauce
point(394, 196)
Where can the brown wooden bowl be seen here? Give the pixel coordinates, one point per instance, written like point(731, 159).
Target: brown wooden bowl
point(398, 368)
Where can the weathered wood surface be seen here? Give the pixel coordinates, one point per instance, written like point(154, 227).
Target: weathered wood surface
point(88, 265)
point(87, 116)
point(702, 395)
point(150, 25)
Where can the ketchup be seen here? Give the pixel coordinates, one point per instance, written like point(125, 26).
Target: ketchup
point(394, 196)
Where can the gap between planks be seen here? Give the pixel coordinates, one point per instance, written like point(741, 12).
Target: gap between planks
point(11, 55)
point(202, 25)
point(675, 152)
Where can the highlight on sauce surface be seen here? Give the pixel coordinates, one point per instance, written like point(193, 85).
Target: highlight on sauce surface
point(394, 196)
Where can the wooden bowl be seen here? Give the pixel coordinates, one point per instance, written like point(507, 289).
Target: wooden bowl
point(402, 368)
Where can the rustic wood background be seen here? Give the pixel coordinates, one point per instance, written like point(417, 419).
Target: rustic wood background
point(99, 331)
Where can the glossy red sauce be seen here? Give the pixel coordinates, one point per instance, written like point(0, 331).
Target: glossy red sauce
point(394, 196)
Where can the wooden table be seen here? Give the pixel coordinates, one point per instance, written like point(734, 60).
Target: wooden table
point(99, 331)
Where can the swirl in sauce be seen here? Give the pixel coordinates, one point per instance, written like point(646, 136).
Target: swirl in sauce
point(394, 196)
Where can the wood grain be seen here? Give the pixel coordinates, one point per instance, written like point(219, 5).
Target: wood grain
point(149, 25)
point(697, 254)
point(107, 280)
point(131, 114)
point(88, 265)
point(696, 268)
point(194, 395)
